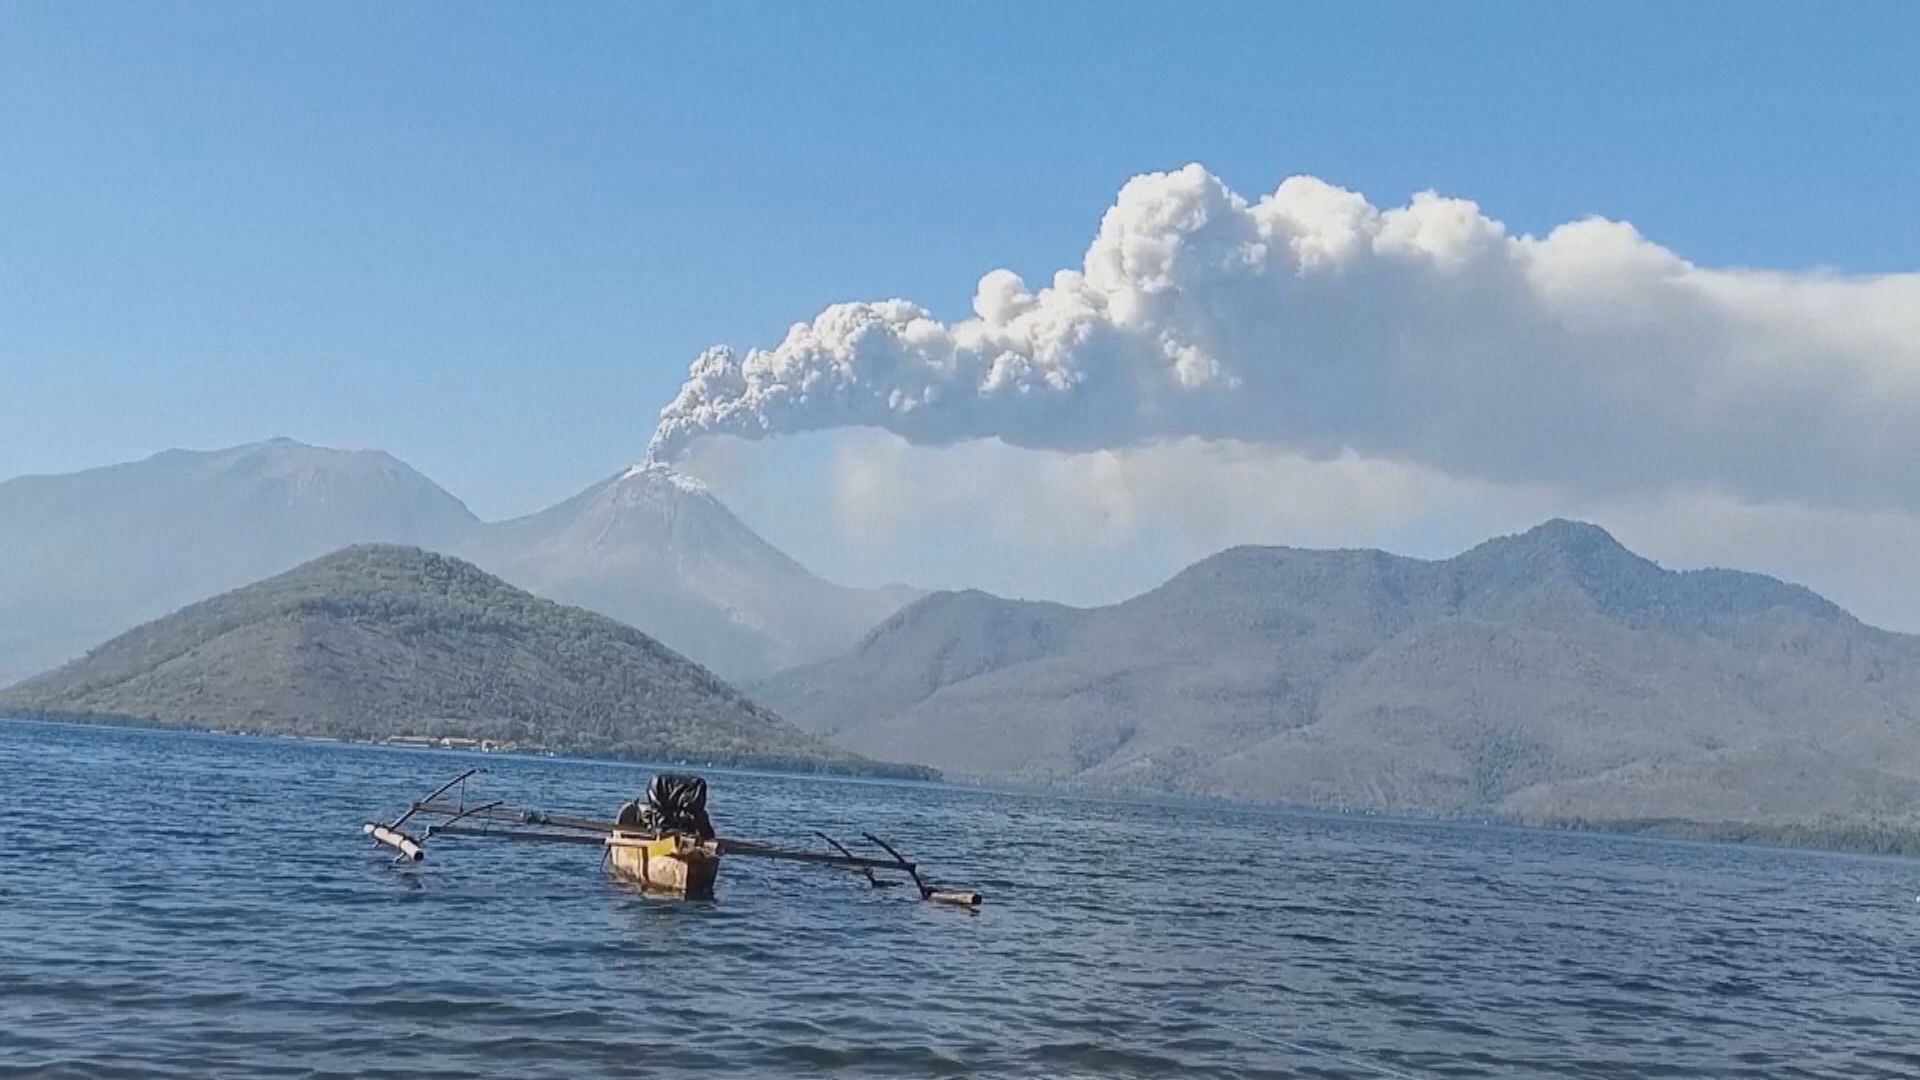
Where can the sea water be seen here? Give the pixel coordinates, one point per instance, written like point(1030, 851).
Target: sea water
point(200, 905)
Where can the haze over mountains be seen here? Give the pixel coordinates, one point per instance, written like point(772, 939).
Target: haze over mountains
point(91, 554)
point(654, 547)
point(1553, 675)
point(380, 640)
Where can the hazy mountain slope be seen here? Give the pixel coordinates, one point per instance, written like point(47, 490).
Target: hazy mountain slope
point(89, 554)
point(655, 548)
point(1551, 674)
point(943, 639)
point(379, 640)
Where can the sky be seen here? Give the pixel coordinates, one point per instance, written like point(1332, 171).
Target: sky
point(491, 238)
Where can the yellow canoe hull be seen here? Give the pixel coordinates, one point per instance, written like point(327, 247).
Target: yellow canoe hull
point(677, 865)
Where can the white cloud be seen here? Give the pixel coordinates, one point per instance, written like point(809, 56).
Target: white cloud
point(1207, 493)
point(1307, 368)
point(1099, 526)
point(1590, 360)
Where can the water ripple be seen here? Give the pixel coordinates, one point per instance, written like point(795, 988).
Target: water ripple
point(218, 914)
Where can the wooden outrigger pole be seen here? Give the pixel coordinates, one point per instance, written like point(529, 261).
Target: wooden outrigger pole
point(650, 846)
point(390, 834)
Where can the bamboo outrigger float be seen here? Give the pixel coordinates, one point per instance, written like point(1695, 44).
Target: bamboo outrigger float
point(665, 844)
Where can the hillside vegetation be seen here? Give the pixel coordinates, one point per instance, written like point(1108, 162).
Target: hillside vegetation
point(377, 640)
point(1550, 676)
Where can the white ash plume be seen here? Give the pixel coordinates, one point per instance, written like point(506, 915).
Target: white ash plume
point(1591, 358)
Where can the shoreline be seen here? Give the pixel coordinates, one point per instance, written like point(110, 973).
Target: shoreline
point(1835, 837)
point(785, 766)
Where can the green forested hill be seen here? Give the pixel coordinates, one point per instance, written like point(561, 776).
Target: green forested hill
point(381, 640)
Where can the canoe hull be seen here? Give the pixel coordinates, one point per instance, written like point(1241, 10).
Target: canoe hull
point(674, 865)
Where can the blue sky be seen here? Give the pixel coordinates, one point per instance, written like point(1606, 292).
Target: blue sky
point(489, 237)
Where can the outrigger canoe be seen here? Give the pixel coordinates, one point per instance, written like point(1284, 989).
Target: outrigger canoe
point(664, 843)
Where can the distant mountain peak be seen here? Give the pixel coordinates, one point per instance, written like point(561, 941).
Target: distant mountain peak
point(1563, 542)
point(92, 553)
point(1568, 535)
point(652, 497)
point(659, 474)
point(654, 546)
point(280, 456)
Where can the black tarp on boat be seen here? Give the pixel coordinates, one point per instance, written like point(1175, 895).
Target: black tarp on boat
point(676, 803)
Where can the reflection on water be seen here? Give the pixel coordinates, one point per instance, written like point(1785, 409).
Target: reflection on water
point(203, 905)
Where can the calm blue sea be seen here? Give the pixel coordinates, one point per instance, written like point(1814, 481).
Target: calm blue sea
point(189, 905)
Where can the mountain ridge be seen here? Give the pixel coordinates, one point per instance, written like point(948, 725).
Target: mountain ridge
point(1548, 675)
point(93, 553)
point(99, 551)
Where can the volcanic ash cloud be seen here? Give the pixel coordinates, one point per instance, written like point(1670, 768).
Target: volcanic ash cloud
point(1591, 358)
